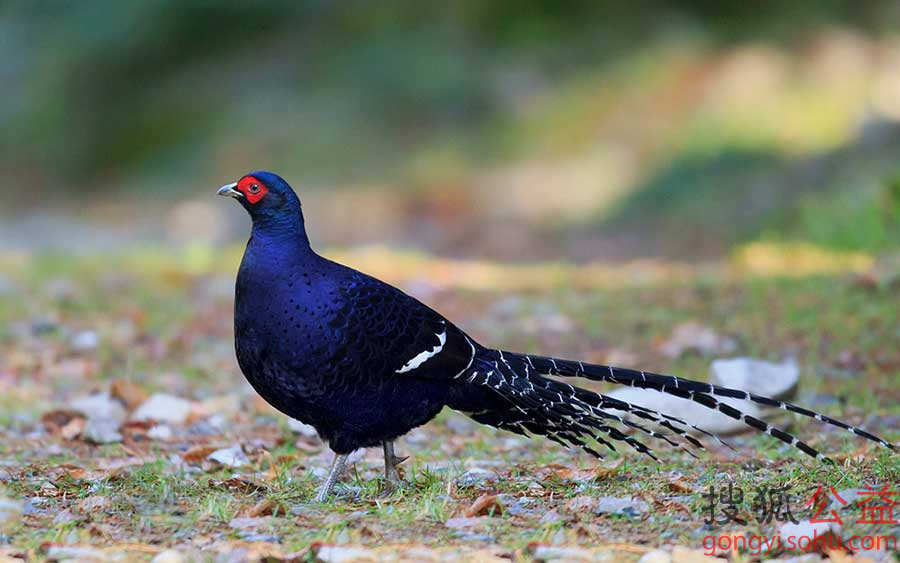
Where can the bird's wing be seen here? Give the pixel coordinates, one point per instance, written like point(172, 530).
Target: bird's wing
point(398, 334)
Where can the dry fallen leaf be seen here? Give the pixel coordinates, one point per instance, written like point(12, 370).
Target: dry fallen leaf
point(238, 484)
point(57, 422)
point(131, 395)
point(197, 454)
point(679, 486)
point(485, 505)
point(73, 428)
point(599, 472)
point(266, 507)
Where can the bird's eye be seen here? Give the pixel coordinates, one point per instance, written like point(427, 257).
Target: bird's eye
point(253, 189)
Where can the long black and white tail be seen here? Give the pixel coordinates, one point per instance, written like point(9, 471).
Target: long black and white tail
point(538, 405)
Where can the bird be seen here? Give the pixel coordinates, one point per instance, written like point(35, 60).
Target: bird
point(364, 363)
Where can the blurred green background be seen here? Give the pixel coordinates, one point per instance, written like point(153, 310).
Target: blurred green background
point(514, 131)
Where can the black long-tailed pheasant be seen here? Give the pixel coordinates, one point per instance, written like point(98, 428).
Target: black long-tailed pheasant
point(364, 363)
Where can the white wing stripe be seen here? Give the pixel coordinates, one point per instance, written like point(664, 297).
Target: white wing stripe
point(422, 357)
point(471, 359)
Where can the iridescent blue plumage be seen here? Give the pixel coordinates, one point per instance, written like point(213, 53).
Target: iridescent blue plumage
point(364, 363)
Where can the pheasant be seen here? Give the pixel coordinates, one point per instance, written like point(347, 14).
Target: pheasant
point(364, 363)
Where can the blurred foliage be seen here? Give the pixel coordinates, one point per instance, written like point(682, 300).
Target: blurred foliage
point(100, 88)
point(688, 122)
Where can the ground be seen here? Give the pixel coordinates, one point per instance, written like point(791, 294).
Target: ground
point(149, 321)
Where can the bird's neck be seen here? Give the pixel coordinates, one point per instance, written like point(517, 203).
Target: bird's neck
point(281, 228)
point(282, 232)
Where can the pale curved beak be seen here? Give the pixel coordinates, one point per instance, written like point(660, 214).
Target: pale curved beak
point(228, 189)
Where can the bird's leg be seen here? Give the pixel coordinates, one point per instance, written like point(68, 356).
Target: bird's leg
point(336, 467)
point(391, 462)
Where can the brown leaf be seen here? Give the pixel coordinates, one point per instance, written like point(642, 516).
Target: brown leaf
point(679, 486)
point(238, 484)
point(54, 421)
point(599, 472)
point(130, 394)
point(73, 472)
point(607, 470)
point(485, 505)
point(73, 428)
point(266, 507)
point(197, 454)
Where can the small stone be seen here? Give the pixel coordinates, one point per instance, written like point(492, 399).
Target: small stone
point(64, 516)
point(559, 553)
point(810, 530)
point(550, 517)
point(852, 496)
point(476, 476)
point(229, 457)
point(339, 554)
point(84, 341)
point(419, 437)
point(684, 555)
point(655, 556)
point(257, 537)
point(624, 506)
point(164, 408)
point(101, 431)
point(756, 376)
point(582, 503)
point(160, 432)
point(303, 429)
point(10, 511)
point(228, 405)
point(76, 554)
point(806, 558)
point(465, 522)
point(522, 506)
point(470, 536)
point(246, 522)
point(691, 412)
point(168, 556)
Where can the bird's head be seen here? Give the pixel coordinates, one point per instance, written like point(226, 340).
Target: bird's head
point(270, 201)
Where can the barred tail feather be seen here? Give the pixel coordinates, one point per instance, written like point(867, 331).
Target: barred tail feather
point(698, 392)
point(565, 414)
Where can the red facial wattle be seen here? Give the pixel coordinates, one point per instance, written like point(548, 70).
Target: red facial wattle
point(253, 189)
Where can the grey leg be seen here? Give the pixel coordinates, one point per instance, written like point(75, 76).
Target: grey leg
point(336, 467)
point(391, 462)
